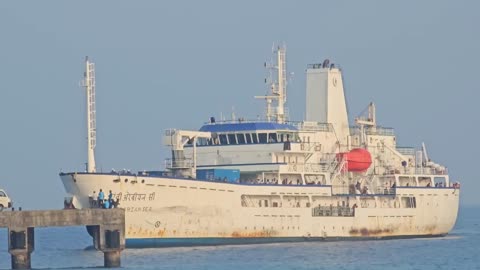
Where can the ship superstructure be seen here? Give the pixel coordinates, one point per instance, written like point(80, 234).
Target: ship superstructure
point(274, 180)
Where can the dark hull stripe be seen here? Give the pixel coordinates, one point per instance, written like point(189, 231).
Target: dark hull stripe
point(213, 241)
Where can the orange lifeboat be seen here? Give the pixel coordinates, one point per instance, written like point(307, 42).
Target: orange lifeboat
point(357, 160)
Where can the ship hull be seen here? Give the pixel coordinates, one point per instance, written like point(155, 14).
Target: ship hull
point(162, 211)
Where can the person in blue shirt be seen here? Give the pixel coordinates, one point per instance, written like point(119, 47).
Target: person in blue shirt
point(106, 204)
point(110, 198)
point(101, 197)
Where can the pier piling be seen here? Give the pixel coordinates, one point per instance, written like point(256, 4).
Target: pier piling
point(111, 259)
point(108, 226)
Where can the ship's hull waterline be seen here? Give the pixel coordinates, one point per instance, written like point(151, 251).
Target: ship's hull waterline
point(163, 211)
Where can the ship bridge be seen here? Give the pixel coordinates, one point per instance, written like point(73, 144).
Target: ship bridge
point(258, 132)
point(231, 133)
point(252, 146)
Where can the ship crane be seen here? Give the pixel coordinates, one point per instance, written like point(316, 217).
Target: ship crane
point(177, 139)
point(429, 163)
point(427, 160)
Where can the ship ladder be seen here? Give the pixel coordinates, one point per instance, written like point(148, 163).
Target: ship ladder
point(338, 170)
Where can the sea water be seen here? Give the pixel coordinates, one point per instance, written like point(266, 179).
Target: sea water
point(64, 248)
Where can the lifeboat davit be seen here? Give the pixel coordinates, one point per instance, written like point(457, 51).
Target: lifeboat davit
point(357, 160)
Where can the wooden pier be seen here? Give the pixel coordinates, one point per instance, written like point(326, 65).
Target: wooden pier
point(108, 228)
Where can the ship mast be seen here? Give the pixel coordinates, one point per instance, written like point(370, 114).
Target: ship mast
point(89, 84)
point(369, 122)
point(278, 88)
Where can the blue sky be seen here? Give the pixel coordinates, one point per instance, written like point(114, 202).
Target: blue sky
point(163, 64)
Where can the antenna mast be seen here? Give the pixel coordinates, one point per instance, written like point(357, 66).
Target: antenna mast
point(278, 87)
point(366, 122)
point(89, 84)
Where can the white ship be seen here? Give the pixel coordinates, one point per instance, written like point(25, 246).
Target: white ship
point(274, 180)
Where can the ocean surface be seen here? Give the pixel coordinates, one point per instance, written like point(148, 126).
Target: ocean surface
point(64, 248)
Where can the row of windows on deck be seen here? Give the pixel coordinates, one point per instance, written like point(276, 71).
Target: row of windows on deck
point(324, 203)
point(247, 138)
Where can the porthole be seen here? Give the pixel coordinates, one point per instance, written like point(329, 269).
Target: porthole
point(126, 180)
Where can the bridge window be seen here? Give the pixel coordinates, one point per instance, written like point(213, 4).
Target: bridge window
point(214, 140)
point(223, 139)
point(272, 137)
point(285, 137)
point(254, 138)
point(232, 139)
point(241, 138)
point(202, 141)
point(262, 137)
point(295, 137)
point(248, 136)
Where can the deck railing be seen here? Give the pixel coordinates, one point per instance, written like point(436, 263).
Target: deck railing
point(352, 190)
point(382, 131)
point(178, 163)
point(407, 151)
point(419, 170)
